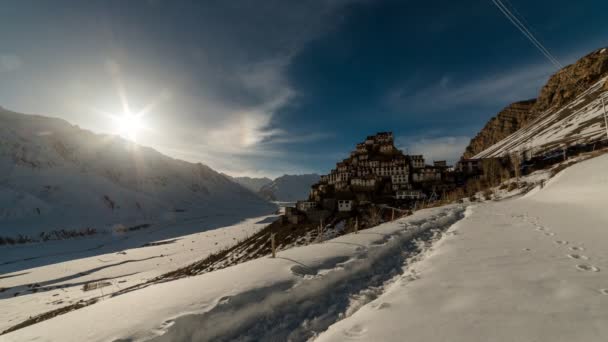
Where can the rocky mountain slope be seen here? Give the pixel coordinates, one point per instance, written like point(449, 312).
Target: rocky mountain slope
point(562, 88)
point(54, 175)
point(289, 188)
point(507, 122)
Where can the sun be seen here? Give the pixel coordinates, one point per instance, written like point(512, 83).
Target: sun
point(129, 125)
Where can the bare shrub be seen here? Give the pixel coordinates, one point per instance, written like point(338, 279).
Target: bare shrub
point(515, 159)
point(492, 170)
point(375, 217)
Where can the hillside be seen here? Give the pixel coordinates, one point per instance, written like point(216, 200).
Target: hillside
point(289, 188)
point(507, 122)
point(251, 183)
point(54, 175)
point(579, 122)
point(511, 261)
point(562, 88)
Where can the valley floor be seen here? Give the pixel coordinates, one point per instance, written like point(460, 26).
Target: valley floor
point(531, 268)
point(37, 278)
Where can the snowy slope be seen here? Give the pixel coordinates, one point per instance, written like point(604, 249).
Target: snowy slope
point(579, 122)
point(264, 299)
point(528, 269)
point(289, 188)
point(54, 175)
point(31, 287)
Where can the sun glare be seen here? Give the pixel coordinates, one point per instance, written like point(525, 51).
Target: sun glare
point(129, 125)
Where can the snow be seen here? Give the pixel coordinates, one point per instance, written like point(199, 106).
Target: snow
point(63, 267)
point(57, 176)
point(199, 307)
point(526, 269)
point(581, 121)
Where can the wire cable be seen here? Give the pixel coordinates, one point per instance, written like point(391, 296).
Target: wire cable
point(524, 30)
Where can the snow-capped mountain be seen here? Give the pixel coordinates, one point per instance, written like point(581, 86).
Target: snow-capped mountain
point(289, 188)
point(54, 175)
point(253, 184)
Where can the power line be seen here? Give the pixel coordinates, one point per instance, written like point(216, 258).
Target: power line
point(524, 30)
point(519, 15)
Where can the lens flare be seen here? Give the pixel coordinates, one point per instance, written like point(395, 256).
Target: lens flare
point(129, 125)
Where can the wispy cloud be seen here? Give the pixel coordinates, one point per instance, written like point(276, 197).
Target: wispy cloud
point(227, 91)
point(448, 92)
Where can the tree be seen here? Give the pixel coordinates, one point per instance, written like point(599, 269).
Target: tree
point(515, 159)
point(492, 169)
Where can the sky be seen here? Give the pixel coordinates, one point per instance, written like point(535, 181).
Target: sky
point(268, 87)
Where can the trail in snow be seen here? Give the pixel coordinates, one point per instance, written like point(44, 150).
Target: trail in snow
point(525, 269)
point(294, 296)
point(329, 292)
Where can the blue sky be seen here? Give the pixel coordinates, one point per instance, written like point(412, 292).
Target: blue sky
point(263, 88)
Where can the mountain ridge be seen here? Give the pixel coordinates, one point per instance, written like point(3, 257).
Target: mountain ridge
point(289, 188)
point(55, 175)
point(561, 88)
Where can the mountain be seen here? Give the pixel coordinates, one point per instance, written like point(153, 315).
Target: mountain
point(507, 122)
point(54, 175)
point(571, 83)
point(289, 188)
point(253, 184)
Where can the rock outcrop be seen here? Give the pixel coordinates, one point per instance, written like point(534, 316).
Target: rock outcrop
point(507, 122)
point(562, 88)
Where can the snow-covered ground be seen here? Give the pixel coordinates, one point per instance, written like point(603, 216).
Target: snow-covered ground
point(528, 268)
point(37, 278)
point(261, 299)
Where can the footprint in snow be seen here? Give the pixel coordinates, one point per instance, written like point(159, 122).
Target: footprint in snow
point(604, 292)
point(576, 248)
point(356, 331)
point(587, 268)
point(550, 234)
point(561, 242)
point(541, 229)
point(380, 306)
point(578, 256)
point(383, 306)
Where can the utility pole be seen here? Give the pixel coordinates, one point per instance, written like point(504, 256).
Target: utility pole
point(356, 225)
point(320, 233)
point(605, 118)
point(273, 245)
